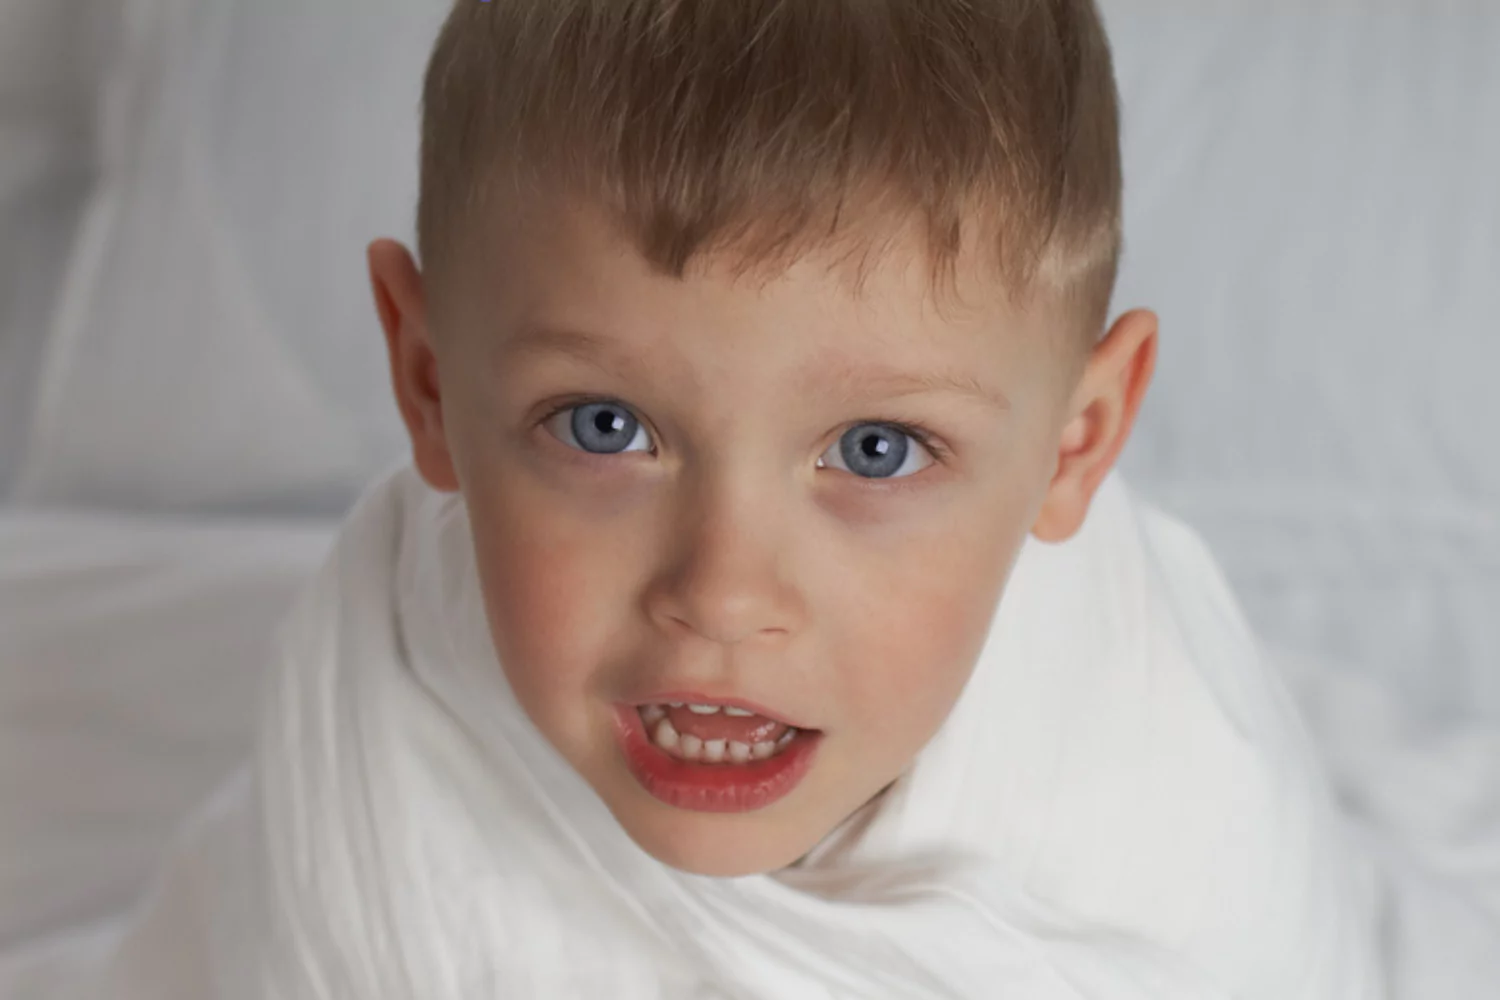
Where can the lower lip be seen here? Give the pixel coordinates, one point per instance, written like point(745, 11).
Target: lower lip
point(715, 788)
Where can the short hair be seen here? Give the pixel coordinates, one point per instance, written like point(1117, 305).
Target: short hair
point(771, 127)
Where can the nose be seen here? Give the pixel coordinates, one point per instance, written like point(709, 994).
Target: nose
point(725, 575)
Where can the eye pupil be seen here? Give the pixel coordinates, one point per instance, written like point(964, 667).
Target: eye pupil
point(604, 428)
point(875, 451)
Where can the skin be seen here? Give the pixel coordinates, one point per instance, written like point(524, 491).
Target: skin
point(730, 549)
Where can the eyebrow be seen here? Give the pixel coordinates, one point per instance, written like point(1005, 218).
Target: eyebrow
point(590, 349)
point(847, 381)
point(890, 382)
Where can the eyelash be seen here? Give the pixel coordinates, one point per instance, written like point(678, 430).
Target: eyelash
point(918, 433)
point(926, 438)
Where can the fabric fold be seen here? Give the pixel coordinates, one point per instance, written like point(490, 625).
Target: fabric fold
point(1121, 805)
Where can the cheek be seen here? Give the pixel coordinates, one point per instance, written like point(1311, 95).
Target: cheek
point(933, 616)
point(552, 596)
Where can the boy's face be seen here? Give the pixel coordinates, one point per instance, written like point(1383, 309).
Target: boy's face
point(709, 489)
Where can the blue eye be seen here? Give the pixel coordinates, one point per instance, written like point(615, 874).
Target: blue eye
point(604, 428)
point(871, 450)
point(879, 451)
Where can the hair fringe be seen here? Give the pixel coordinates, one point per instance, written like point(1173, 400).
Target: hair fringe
point(768, 128)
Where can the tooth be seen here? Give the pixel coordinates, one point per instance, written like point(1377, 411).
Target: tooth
point(690, 747)
point(653, 714)
point(674, 704)
point(737, 712)
point(739, 752)
point(666, 735)
point(704, 709)
point(786, 737)
point(713, 751)
point(763, 749)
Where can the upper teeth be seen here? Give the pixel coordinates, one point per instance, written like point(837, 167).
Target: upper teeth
point(697, 709)
point(654, 713)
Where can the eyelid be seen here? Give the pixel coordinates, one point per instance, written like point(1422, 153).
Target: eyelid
point(573, 403)
point(926, 438)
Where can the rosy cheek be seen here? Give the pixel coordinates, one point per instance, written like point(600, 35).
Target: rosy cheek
point(925, 676)
point(936, 630)
point(543, 600)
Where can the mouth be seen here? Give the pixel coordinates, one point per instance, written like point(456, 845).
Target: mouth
point(713, 756)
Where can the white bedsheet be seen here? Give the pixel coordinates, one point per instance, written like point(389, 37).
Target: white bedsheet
point(1345, 489)
point(129, 650)
point(394, 772)
point(1423, 795)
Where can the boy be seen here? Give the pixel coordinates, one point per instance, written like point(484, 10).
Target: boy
point(758, 336)
point(751, 341)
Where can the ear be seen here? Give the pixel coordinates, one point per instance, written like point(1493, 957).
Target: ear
point(399, 298)
point(1101, 415)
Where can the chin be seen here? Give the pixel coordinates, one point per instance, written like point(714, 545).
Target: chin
point(716, 845)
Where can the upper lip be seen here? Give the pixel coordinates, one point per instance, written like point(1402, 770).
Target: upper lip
point(699, 698)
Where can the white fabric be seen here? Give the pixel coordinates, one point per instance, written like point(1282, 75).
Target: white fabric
point(1319, 411)
point(48, 86)
point(1425, 799)
point(252, 150)
point(131, 651)
point(1122, 805)
point(1312, 206)
point(101, 691)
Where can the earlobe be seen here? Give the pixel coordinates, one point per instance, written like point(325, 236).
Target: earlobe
point(399, 301)
point(1102, 415)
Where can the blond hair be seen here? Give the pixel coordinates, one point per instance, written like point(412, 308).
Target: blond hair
point(770, 127)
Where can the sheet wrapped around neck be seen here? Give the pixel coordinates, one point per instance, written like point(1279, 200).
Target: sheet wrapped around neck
point(1122, 806)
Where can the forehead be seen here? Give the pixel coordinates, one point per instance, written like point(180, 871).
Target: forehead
point(553, 275)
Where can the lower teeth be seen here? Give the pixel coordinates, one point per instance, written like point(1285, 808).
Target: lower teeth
point(694, 750)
